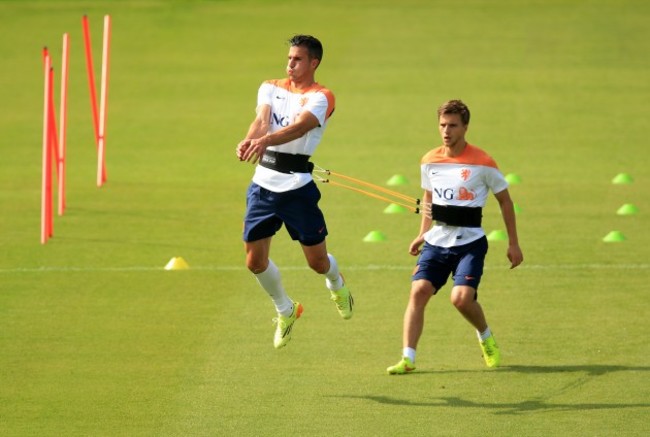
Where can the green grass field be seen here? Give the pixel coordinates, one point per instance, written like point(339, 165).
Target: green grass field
point(97, 339)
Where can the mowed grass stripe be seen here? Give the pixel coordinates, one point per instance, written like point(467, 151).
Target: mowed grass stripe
point(371, 267)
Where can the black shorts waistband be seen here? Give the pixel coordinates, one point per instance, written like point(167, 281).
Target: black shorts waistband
point(286, 162)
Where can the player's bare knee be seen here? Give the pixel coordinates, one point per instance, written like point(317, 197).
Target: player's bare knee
point(256, 265)
point(420, 294)
point(458, 302)
point(319, 266)
point(462, 299)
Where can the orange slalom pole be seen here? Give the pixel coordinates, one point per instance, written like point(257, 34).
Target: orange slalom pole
point(46, 170)
point(101, 161)
point(63, 121)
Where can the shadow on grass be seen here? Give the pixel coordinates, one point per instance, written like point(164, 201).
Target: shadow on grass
point(590, 370)
point(539, 404)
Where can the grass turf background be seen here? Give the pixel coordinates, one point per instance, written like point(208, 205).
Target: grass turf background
point(96, 339)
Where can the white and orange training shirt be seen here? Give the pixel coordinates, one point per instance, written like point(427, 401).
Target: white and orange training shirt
point(463, 180)
point(286, 105)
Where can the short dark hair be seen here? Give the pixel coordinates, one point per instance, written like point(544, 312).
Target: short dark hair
point(312, 44)
point(455, 107)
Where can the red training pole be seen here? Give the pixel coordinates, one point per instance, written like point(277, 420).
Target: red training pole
point(101, 162)
point(53, 153)
point(91, 75)
point(63, 121)
point(54, 142)
point(46, 170)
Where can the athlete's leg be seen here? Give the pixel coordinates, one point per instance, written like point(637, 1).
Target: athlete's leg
point(429, 271)
point(267, 274)
point(429, 276)
point(324, 263)
point(464, 299)
point(257, 254)
point(421, 292)
point(317, 257)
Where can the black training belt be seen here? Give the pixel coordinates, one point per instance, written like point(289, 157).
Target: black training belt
point(286, 162)
point(465, 216)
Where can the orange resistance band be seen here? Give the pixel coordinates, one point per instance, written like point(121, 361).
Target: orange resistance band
point(376, 196)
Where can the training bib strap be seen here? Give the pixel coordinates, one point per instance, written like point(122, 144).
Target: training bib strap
point(286, 162)
point(465, 216)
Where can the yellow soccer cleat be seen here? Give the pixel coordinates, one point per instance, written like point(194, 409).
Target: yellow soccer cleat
point(402, 368)
point(491, 353)
point(344, 301)
point(285, 325)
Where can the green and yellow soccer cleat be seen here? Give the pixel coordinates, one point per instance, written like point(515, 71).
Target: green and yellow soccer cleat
point(344, 301)
point(285, 325)
point(402, 368)
point(491, 353)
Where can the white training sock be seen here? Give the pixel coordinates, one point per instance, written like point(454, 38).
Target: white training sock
point(333, 280)
point(483, 335)
point(271, 281)
point(409, 353)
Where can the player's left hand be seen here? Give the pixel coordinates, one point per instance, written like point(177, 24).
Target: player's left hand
point(515, 255)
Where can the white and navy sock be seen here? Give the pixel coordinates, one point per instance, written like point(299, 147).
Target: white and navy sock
point(409, 353)
point(482, 336)
point(333, 280)
point(271, 281)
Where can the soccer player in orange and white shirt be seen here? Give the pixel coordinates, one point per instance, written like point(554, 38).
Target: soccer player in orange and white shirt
point(292, 114)
point(456, 178)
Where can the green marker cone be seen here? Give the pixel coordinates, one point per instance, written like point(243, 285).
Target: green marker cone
point(614, 237)
point(513, 179)
point(374, 237)
point(394, 208)
point(497, 236)
point(397, 179)
point(627, 209)
point(517, 208)
point(622, 178)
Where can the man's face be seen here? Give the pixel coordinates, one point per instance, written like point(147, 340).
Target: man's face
point(452, 129)
point(299, 65)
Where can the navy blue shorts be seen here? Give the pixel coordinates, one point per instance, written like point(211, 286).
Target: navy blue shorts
point(464, 263)
point(298, 209)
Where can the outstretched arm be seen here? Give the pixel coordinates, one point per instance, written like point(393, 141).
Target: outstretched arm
point(258, 128)
point(514, 254)
point(253, 149)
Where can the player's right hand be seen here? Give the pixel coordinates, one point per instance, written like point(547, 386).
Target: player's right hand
point(414, 248)
point(241, 149)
